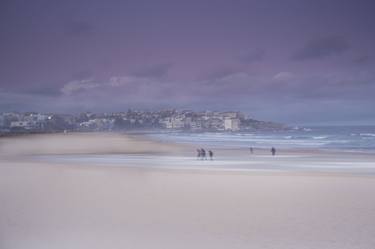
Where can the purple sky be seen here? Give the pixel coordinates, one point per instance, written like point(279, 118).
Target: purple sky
point(300, 61)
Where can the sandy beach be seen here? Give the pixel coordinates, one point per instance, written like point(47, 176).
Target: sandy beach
point(48, 203)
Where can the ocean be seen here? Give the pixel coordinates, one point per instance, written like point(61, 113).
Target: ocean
point(348, 138)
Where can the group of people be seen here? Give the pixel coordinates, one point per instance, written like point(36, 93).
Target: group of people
point(201, 154)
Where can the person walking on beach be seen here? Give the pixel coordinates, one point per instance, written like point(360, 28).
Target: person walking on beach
point(251, 150)
point(211, 154)
point(203, 154)
point(198, 154)
point(273, 151)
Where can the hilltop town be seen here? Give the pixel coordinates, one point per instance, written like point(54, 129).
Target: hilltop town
point(31, 122)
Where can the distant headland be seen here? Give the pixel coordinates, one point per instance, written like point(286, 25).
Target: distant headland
point(132, 120)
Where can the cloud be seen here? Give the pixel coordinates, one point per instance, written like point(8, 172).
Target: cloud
point(129, 86)
point(260, 95)
point(230, 87)
point(362, 60)
point(19, 101)
point(156, 70)
point(38, 89)
point(79, 85)
point(283, 76)
point(219, 73)
point(252, 56)
point(321, 48)
point(82, 74)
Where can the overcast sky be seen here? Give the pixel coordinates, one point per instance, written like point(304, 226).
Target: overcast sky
point(293, 61)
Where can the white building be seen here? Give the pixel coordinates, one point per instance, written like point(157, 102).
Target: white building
point(22, 124)
point(232, 124)
point(187, 122)
point(97, 124)
point(166, 123)
point(178, 123)
point(173, 123)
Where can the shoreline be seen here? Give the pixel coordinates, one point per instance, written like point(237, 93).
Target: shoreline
point(113, 149)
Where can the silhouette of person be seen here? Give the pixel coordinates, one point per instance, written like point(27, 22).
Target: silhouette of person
point(251, 150)
point(211, 154)
point(203, 154)
point(273, 151)
point(198, 153)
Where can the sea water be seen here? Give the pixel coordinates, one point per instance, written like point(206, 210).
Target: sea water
point(348, 138)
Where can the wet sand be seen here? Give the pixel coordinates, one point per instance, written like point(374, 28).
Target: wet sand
point(46, 204)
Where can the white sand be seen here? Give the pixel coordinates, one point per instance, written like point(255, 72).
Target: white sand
point(55, 205)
